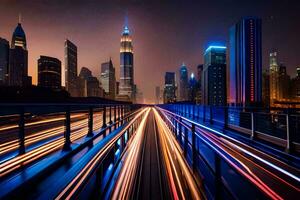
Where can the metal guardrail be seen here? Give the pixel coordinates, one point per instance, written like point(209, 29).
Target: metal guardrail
point(279, 128)
point(209, 163)
point(17, 116)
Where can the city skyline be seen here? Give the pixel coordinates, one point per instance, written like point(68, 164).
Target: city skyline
point(148, 36)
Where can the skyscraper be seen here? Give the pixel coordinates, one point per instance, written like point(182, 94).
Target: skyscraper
point(283, 83)
point(71, 68)
point(274, 75)
point(90, 86)
point(199, 86)
point(246, 63)
point(170, 87)
point(108, 79)
point(18, 59)
point(49, 72)
point(126, 65)
point(183, 83)
point(214, 76)
point(4, 61)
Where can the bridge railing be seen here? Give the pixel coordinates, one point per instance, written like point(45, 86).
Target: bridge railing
point(280, 128)
point(223, 178)
point(25, 127)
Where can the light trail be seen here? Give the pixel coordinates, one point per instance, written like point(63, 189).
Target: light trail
point(244, 150)
point(40, 122)
point(176, 163)
point(69, 191)
point(43, 135)
point(126, 178)
point(236, 155)
point(38, 152)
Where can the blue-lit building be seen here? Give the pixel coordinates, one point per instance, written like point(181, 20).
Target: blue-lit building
point(4, 61)
point(246, 63)
point(170, 87)
point(214, 76)
point(126, 87)
point(18, 59)
point(183, 83)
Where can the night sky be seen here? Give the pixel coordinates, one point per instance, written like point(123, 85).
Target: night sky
point(164, 34)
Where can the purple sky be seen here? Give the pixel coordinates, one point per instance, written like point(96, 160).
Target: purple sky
point(164, 34)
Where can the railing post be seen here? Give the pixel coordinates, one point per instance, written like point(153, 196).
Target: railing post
point(180, 129)
point(194, 147)
point(288, 136)
point(67, 145)
point(104, 117)
point(252, 126)
point(115, 116)
point(185, 140)
point(21, 131)
point(90, 118)
point(110, 115)
point(122, 113)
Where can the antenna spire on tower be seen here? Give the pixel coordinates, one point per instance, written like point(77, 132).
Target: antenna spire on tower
point(20, 18)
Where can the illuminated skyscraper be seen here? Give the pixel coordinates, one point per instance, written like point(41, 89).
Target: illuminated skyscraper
point(49, 72)
point(126, 65)
point(274, 75)
point(170, 87)
point(183, 83)
point(18, 59)
point(192, 88)
point(108, 79)
point(4, 61)
point(71, 77)
point(214, 76)
point(246, 63)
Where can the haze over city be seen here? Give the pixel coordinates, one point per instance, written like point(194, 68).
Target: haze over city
point(164, 34)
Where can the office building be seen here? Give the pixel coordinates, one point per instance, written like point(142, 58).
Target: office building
point(49, 72)
point(126, 66)
point(274, 76)
point(266, 88)
point(4, 61)
point(192, 88)
point(283, 84)
point(108, 79)
point(183, 83)
point(170, 87)
point(246, 63)
point(214, 76)
point(89, 85)
point(71, 78)
point(18, 59)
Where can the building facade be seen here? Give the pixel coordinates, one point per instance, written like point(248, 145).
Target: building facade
point(274, 75)
point(71, 78)
point(214, 76)
point(49, 72)
point(18, 59)
point(183, 83)
point(4, 61)
point(126, 65)
point(246, 63)
point(266, 88)
point(108, 79)
point(89, 85)
point(283, 84)
point(170, 87)
point(192, 88)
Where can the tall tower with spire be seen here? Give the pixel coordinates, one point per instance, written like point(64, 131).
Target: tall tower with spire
point(126, 65)
point(18, 60)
